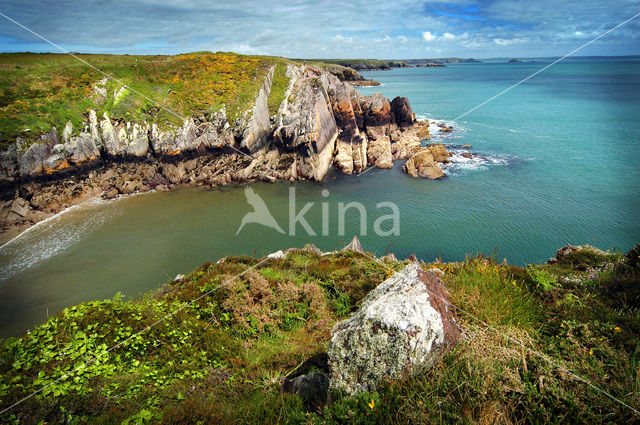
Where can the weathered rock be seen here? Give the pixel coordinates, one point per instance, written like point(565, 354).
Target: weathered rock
point(67, 132)
point(465, 146)
point(255, 129)
point(31, 157)
point(389, 257)
point(175, 174)
point(401, 111)
point(313, 388)
point(439, 152)
point(466, 155)
point(402, 328)
point(422, 130)
point(565, 251)
point(8, 164)
point(20, 207)
point(351, 146)
point(406, 144)
point(354, 246)
point(78, 150)
point(422, 164)
point(379, 152)
point(307, 126)
point(376, 110)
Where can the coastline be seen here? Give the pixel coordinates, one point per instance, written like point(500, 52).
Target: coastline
point(321, 123)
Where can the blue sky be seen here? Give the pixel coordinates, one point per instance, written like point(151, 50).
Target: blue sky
point(324, 29)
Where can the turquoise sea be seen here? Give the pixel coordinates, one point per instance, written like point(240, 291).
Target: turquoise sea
point(557, 163)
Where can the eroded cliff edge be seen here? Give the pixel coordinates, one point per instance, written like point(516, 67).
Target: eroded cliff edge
point(321, 121)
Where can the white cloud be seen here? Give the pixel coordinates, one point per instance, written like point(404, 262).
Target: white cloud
point(507, 42)
point(314, 29)
point(428, 37)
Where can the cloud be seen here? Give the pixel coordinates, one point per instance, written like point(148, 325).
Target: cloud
point(504, 42)
point(428, 37)
point(332, 28)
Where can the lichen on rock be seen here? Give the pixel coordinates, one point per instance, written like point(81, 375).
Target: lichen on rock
point(402, 328)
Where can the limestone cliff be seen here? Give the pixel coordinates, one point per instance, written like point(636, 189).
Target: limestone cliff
point(321, 121)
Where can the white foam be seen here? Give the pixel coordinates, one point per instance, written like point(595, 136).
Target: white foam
point(52, 236)
point(475, 163)
point(434, 128)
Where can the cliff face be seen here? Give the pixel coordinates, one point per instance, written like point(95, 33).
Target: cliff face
point(321, 121)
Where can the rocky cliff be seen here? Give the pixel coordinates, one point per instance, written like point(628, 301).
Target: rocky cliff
point(321, 121)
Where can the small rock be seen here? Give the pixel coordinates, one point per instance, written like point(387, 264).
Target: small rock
point(389, 257)
point(313, 388)
point(466, 155)
point(354, 245)
point(277, 255)
point(20, 207)
point(466, 146)
point(111, 193)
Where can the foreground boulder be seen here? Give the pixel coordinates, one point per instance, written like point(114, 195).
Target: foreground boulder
point(401, 329)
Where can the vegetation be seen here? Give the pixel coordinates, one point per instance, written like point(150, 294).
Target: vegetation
point(220, 359)
point(40, 91)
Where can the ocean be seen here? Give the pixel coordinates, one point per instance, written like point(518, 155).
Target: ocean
point(556, 162)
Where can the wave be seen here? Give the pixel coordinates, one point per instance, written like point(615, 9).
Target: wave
point(51, 236)
point(439, 136)
point(478, 161)
point(459, 163)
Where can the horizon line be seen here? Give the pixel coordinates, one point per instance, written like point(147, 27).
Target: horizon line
point(321, 59)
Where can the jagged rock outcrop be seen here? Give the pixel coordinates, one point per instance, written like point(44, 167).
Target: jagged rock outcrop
point(423, 164)
point(307, 126)
point(351, 145)
point(73, 151)
point(401, 110)
point(402, 328)
point(354, 246)
point(254, 128)
point(320, 121)
point(376, 112)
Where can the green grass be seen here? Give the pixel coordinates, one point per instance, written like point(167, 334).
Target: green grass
point(40, 91)
point(278, 88)
point(220, 360)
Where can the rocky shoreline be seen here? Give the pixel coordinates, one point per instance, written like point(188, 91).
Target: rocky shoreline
point(321, 122)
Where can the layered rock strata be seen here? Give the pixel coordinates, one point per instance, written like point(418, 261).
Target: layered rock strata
point(321, 121)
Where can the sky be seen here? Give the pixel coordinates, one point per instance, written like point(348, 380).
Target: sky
point(396, 29)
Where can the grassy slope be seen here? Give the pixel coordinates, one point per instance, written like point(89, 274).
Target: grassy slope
point(39, 91)
point(220, 360)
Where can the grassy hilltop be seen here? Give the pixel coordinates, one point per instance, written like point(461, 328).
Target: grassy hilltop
point(220, 359)
point(40, 91)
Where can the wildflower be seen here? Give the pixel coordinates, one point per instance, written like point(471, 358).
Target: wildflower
point(590, 352)
point(617, 328)
point(371, 404)
point(562, 325)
